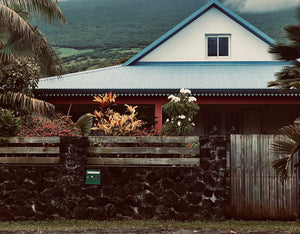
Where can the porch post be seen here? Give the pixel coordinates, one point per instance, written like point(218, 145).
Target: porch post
point(158, 114)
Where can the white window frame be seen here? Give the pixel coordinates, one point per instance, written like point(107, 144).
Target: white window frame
point(218, 36)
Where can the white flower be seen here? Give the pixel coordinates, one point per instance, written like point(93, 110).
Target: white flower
point(185, 91)
point(167, 121)
point(181, 116)
point(192, 99)
point(189, 119)
point(179, 123)
point(193, 124)
point(171, 96)
point(174, 98)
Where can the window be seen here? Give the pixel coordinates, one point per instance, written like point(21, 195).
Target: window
point(218, 46)
point(222, 123)
point(213, 123)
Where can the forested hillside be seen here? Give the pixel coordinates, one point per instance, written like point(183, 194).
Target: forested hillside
point(105, 32)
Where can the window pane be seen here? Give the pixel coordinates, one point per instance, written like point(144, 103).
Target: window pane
point(232, 121)
point(212, 46)
point(213, 123)
point(223, 46)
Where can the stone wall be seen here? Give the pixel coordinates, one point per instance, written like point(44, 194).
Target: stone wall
point(55, 192)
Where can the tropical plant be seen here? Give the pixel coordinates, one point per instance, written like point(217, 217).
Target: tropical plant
point(84, 124)
point(288, 146)
point(20, 75)
point(9, 124)
point(112, 123)
point(19, 38)
point(289, 76)
point(20, 102)
point(181, 110)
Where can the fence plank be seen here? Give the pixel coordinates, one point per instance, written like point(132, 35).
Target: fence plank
point(29, 150)
point(259, 193)
point(29, 160)
point(143, 161)
point(144, 139)
point(193, 151)
point(48, 140)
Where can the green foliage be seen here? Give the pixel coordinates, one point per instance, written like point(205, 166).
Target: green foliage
point(84, 123)
point(181, 110)
point(9, 124)
point(19, 75)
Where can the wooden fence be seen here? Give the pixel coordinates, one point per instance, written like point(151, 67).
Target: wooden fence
point(29, 150)
point(256, 191)
point(105, 151)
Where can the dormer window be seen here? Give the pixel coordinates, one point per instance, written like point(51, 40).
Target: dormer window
point(217, 45)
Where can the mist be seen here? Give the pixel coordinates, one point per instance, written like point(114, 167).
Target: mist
point(260, 6)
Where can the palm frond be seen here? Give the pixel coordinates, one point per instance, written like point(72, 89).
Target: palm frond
point(284, 147)
point(280, 167)
point(15, 48)
point(289, 146)
point(47, 9)
point(20, 101)
point(84, 123)
point(292, 132)
point(49, 60)
point(16, 24)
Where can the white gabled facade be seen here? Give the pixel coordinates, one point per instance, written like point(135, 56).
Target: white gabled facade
point(189, 44)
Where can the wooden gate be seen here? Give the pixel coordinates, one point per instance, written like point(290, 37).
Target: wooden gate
point(256, 191)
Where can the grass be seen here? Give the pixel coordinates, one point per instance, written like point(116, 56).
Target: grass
point(82, 225)
point(66, 52)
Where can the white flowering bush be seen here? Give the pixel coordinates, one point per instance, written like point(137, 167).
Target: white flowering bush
point(180, 111)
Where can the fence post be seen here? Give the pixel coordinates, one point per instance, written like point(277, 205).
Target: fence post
point(71, 178)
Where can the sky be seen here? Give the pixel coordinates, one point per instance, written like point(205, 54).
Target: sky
point(256, 6)
point(260, 6)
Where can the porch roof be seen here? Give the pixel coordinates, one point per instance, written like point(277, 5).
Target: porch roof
point(203, 78)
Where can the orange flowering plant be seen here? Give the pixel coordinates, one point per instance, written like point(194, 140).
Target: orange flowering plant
point(112, 123)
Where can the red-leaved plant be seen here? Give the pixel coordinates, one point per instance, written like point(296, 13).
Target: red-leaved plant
point(41, 126)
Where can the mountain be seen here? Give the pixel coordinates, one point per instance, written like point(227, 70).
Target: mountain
point(104, 32)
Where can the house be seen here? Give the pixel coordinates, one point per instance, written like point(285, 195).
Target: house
point(219, 56)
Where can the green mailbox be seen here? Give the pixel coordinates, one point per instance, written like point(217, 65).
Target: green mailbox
point(93, 176)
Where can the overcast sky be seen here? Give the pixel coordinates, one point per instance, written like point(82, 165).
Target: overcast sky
point(259, 6)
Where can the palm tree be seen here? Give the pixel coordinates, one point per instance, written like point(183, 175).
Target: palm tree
point(288, 77)
point(19, 38)
point(287, 146)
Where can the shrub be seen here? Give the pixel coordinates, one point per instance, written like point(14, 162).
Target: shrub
point(42, 126)
point(181, 110)
point(111, 123)
point(9, 124)
point(20, 75)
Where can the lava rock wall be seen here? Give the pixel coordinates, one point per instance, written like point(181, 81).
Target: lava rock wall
point(125, 192)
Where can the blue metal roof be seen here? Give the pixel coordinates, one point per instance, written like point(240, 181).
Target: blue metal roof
point(158, 77)
point(190, 19)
